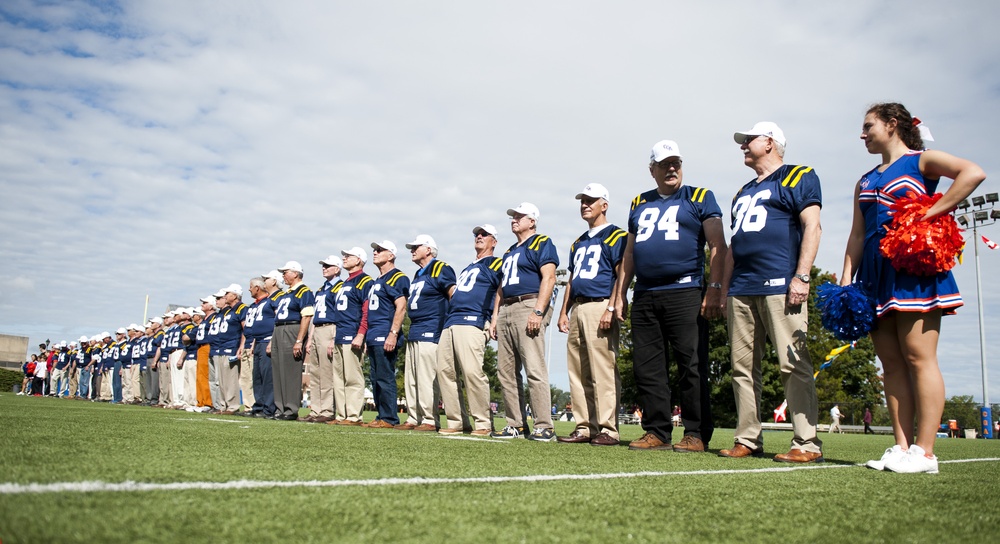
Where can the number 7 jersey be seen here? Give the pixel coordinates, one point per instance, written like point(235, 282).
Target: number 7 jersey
point(669, 251)
point(767, 233)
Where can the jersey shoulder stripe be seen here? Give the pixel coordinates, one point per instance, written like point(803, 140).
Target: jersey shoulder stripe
point(615, 236)
point(241, 307)
point(698, 194)
point(395, 277)
point(301, 291)
point(438, 267)
point(795, 175)
point(637, 201)
point(336, 288)
point(537, 242)
point(278, 294)
point(363, 281)
point(496, 264)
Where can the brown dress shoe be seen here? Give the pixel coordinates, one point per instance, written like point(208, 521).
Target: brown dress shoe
point(379, 424)
point(404, 427)
point(649, 441)
point(604, 439)
point(425, 427)
point(308, 419)
point(447, 430)
point(321, 419)
point(481, 432)
point(334, 422)
point(799, 456)
point(740, 451)
point(349, 423)
point(576, 437)
point(688, 444)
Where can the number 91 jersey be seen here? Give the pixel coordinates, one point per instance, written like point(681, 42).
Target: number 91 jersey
point(767, 233)
point(669, 251)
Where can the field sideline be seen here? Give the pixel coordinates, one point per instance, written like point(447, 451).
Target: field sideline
point(78, 471)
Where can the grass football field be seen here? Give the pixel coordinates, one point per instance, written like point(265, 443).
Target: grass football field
point(73, 471)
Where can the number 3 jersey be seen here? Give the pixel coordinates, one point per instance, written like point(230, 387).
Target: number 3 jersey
point(767, 233)
point(669, 250)
point(592, 261)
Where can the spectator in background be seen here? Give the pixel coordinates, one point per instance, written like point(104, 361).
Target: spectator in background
point(868, 421)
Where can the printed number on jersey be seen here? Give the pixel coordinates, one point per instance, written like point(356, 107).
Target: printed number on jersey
point(650, 221)
point(510, 270)
point(750, 215)
point(415, 293)
point(467, 280)
point(586, 262)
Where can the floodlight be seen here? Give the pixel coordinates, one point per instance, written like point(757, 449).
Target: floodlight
point(963, 221)
point(964, 204)
point(982, 216)
point(978, 201)
point(992, 197)
point(995, 214)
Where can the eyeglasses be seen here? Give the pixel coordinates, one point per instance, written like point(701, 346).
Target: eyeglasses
point(670, 163)
point(325, 266)
point(750, 137)
point(482, 234)
point(378, 250)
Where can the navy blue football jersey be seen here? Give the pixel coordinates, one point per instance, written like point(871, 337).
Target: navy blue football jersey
point(669, 251)
point(428, 302)
point(522, 265)
point(326, 302)
point(592, 261)
point(352, 297)
point(767, 233)
point(381, 305)
point(229, 323)
point(472, 301)
point(258, 325)
point(291, 303)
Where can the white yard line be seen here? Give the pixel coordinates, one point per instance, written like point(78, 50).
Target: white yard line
point(130, 487)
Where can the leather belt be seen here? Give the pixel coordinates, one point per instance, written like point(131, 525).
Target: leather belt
point(581, 300)
point(322, 325)
point(511, 300)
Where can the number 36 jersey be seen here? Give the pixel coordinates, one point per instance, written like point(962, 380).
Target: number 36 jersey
point(669, 251)
point(767, 233)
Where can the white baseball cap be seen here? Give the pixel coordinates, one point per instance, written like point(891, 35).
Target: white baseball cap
point(156, 321)
point(182, 311)
point(84, 339)
point(233, 288)
point(273, 275)
point(135, 327)
point(386, 245)
point(594, 190)
point(664, 149)
point(208, 300)
point(121, 330)
point(199, 311)
point(422, 240)
point(485, 227)
point(525, 208)
point(105, 334)
point(763, 128)
point(357, 252)
point(333, 260)
point(220, 293)
point(291, 265)
point(94, 338)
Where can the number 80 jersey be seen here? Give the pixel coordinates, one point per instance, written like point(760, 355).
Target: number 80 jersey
point(669, 251)
point(767, 233)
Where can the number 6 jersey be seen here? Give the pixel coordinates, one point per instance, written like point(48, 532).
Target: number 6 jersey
point(767, 233)
point(669, 250)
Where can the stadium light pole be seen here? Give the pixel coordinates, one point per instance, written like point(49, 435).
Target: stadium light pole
point(561, 281)
point(982, 214)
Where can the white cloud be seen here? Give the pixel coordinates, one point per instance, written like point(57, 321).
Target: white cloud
point(170, 149)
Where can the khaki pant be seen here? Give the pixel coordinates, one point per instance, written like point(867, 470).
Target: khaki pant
point(190, 381)
point(177, 395)
point(594, 384)
point(106, 391)
point(420, 383)
point(130, 382)
point(519, 351)
point(348, 383)
point(228, 375)
point(74, 382)
point(163, 371)
point(751, 318)
point(246, 378)
point(461, 349)
point(320, 365)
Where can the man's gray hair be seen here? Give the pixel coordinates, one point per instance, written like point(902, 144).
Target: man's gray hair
point(257, 282)
point(434, 252)
point(779, 148)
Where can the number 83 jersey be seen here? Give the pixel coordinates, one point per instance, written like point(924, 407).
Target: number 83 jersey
point(767, 233)
point(669, 250)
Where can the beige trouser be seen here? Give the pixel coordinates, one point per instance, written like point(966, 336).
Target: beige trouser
point(228, 375)
point(348, 383)
point(177, 395)
point(461, 348)
point(594, 384)
point(319, 365)
point(57, 375)
point(420, 383)
point(106, 384)
point(164, 375)
point(127, 392)
point(74, 382)
point(751, 318)
point(517, 350)
point(246, 378)
point(190, 381)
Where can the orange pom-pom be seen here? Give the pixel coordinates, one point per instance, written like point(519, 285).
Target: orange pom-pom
point(918, 247)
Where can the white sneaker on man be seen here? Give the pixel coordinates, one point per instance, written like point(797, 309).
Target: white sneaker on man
point(913, 462)
point(890, 454)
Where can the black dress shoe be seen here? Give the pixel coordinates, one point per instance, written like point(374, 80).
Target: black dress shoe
point(574, 438)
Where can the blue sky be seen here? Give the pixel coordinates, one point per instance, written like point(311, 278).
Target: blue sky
point(170, 149)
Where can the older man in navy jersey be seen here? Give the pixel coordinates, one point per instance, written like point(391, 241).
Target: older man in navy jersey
point(386, 311)
point(463, 341)
point(293, 311)
point(320, 343)
point(520, 317)
point(430, 291)
point(352, 326)
point(668, 229)
point(776, 233)
point(587, 315)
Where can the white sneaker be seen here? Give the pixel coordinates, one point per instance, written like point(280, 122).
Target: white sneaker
point(890, 453)
point(913, 462)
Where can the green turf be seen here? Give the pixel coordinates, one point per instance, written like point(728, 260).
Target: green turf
point(50, 441)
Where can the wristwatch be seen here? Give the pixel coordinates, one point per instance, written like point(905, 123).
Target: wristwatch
point(611, 308)
point(539, 313)
point(715, 285)
point(803, 277)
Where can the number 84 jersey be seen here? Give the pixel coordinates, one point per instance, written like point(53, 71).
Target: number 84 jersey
point(669, 251)
point(767, 233)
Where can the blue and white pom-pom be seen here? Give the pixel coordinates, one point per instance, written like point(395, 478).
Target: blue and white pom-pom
point(847, 312)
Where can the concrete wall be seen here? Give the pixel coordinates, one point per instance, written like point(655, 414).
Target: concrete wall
point(13, 350)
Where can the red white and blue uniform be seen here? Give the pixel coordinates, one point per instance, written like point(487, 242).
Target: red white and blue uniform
point(892, 289)
point(767, 233)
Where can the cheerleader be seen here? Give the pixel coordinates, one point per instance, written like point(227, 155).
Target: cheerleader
point(908, 307)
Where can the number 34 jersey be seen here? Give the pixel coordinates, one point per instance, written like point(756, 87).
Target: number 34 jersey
point(669, 251)
point(767, 233)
